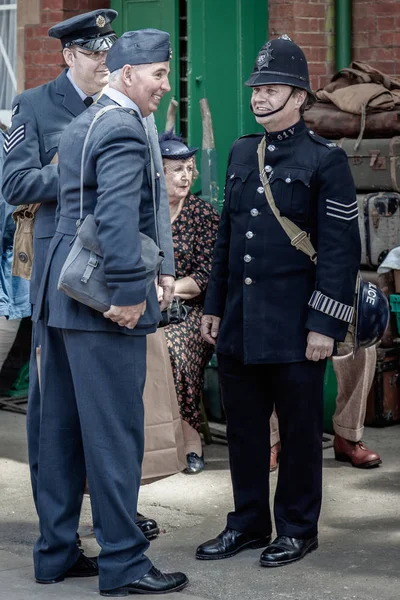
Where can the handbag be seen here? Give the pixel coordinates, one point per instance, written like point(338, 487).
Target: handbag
point(301, 240)
point(82, 275)
point(176, 312)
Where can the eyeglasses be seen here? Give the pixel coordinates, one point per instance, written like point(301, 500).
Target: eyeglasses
point(97, 56)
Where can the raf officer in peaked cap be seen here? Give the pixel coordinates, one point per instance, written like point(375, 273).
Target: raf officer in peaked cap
point(30, 171)
point(97, 362)
point(276, 312)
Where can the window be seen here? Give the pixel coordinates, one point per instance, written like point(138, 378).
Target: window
point(8, 57)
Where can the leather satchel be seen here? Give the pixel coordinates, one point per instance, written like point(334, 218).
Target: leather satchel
point(82, 275)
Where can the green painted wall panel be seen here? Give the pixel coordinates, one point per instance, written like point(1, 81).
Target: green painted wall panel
point(156, 14)
point(224, 38)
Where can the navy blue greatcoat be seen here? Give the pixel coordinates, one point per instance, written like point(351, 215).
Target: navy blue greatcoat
point(261, 286)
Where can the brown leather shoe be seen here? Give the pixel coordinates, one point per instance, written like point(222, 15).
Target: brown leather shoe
point(274, 457)
point(356, 453)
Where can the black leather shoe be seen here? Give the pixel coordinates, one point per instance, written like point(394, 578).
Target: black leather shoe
point(154, 582)
point(195, 463)
point(228, 543)
point(147, 526)
point(84, 567)
point(285, 550)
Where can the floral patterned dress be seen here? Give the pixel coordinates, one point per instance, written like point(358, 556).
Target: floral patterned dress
point(194, 233)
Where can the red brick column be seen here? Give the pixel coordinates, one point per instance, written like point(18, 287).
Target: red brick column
point(311, 25)
point(376, 34)
point(42, 57)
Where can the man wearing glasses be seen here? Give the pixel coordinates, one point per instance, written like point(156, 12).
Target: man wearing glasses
point(30, 174)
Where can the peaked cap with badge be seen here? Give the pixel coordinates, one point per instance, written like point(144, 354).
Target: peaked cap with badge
point(281, 61)
point(91, 31)
point(141, 47)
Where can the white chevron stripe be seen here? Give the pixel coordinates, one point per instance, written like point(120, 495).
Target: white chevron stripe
point(19, 137)
point(10, 136)
point(14, 139)
point(341, 210)
point(343, 218)
point(341, 204)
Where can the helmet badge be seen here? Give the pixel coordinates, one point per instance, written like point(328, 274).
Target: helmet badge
point(285, 36)
point(100, 21)
point(265, 56)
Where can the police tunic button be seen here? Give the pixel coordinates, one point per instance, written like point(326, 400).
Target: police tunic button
point(247, 258)
point(232, 176)
point(260, 190)
point(271, 148)
point(248, 281)
point(249, 235)
point(268, 168)
point(311, 131)
point(254, 211)
point(288, 180)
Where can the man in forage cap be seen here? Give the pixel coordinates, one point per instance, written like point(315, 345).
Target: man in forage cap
point(98, 361)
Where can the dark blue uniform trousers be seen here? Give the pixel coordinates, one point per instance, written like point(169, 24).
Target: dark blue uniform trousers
point(33, 413)
point(91, 415)
point(249, 394)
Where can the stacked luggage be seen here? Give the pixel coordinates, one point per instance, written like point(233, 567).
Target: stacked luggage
point(374, 158)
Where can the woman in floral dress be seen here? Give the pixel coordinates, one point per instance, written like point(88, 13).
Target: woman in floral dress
point(194, 229)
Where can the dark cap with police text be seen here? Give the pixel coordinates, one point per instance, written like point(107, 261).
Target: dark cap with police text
point(281, 61)
point(140, 47)
point(91, 31)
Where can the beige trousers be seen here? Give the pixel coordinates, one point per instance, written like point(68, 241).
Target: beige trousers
point(8, 333)
point(354, 379)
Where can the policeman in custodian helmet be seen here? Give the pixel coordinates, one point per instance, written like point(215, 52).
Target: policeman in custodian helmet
point(275, 311)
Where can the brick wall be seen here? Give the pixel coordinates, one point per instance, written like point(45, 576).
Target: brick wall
point(42, 55)
point(311, 24)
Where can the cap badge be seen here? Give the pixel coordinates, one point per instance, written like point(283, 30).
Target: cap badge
point(285, 36)
point(100, 21)
point(265, 57)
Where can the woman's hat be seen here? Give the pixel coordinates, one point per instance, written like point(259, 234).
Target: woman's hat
point(172, 146)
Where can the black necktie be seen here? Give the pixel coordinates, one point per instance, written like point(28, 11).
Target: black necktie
point(88, 101)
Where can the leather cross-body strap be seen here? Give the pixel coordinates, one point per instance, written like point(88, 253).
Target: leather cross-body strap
point(298, 238)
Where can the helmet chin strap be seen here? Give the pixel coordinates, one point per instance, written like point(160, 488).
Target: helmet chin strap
point(272, 112)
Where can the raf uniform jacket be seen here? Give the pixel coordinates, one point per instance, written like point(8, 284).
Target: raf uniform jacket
point(268, 294)
point(117, 189)
point(40, 115)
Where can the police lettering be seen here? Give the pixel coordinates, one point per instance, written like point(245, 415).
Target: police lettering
point(371, 294)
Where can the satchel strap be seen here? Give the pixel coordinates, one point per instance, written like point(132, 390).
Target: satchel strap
point(298, 238)
point(97, 116)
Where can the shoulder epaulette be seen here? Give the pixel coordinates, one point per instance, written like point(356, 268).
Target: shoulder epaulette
point(321, 140)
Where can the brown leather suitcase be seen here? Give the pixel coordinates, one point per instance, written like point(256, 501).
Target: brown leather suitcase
point(374, 164)
point(383, 404)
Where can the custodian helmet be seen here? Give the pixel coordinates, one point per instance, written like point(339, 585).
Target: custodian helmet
point(281, 61)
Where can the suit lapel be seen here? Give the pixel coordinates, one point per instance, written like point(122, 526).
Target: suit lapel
point(71, 100)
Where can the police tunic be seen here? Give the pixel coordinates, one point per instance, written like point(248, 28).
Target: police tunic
point(260, 284)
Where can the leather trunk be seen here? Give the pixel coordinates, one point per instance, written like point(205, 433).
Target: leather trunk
point(383, 404)
point(379, 223)
point(375, 164)
point(331, 122)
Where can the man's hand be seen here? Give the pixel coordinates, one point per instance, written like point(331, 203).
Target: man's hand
point(319, 346)
point(126, 316)
point(210, 328)
point(167, 284)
